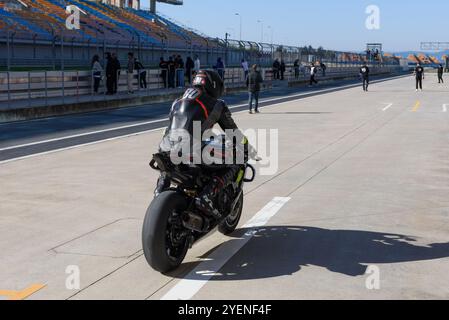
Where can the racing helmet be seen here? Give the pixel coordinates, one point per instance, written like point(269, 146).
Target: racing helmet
point(210, 81)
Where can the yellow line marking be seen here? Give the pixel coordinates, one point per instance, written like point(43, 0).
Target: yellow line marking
point(23, 294)
point(417, 106)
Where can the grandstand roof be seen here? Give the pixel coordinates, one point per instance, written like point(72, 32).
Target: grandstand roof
point(175, 2)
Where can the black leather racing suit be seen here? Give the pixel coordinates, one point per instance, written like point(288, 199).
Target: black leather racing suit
point(364, 74)
point(197, 105)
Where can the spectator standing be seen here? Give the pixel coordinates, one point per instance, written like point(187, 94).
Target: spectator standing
point(96, 72)
point(276, 67)
point(220, 67)
point(163, 66)
point(296, 68)
point(376, 55)
point(142, 74)
point(313, 72)
point(440, 73)
point(419, 75)
point(245, 68)
point(323, 68)
point(253, 82)
point(130, 72)
point(190, 65)
point(197, 66)
point(109, 74)
point(171, 72)
point(282, 69)
point(364, 75)
point(180, 72)
point(116, 72)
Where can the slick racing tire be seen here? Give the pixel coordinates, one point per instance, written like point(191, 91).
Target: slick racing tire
point(163, 247)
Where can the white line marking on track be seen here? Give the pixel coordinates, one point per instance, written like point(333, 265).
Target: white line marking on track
point(77, 146)
point(187, 287)
point(387, 107)
point(128, 126)
point(323, 91)
point(444, 107)
point(82, 135)
point(131, 107)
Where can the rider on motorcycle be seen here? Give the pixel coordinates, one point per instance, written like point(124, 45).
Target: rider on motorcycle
point(202, 103)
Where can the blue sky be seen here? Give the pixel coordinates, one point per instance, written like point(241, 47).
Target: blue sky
point(333, 24)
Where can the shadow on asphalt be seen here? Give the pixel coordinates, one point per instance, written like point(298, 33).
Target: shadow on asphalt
point(279, 251)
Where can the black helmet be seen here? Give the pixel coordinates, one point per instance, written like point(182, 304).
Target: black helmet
point(210, 81)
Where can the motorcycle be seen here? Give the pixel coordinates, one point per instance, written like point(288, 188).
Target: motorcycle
point(173, 223)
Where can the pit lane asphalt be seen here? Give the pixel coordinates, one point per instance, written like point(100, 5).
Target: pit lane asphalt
point(26, 138)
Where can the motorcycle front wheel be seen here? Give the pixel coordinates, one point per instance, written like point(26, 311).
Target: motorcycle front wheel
point(229, 225)
point(164, 242)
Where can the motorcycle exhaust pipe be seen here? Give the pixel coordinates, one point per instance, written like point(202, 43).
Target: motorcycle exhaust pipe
point(196, 223)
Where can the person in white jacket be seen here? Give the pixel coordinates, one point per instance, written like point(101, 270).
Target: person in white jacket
point(313, 72)
point(97, 71)
point(197, 66)
point(245, 67)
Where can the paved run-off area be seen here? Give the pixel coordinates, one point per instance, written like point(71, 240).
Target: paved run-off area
point(362, 185)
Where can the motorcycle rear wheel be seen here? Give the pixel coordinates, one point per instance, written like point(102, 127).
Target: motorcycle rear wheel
point(163, 247)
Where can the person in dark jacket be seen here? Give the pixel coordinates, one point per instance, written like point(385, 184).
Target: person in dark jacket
point(141, 73)
point(163, 66)
point(296, 67)
point(220, 67)
point(116, 67)
point(190, 64)
point(282, 69)
point(364, 75)
point(419, 76)
point(110, 75)
point(440, 73)
point(171, 72)
point(276, 68)
point(253, 82)
point(323, 69)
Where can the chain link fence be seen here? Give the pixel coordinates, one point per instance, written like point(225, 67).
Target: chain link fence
point(61, 49)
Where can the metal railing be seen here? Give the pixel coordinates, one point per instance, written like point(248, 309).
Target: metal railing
point(61, 49)
point(44, 88)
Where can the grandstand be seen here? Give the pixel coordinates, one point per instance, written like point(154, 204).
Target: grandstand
point(428, 59)
point(108, 19)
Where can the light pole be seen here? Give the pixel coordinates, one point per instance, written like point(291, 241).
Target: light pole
point(227, 46)
point(271, 28)
point(261, 22)
point(240, 16)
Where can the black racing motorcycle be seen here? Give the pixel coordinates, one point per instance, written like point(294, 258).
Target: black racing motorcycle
point(173, 223)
